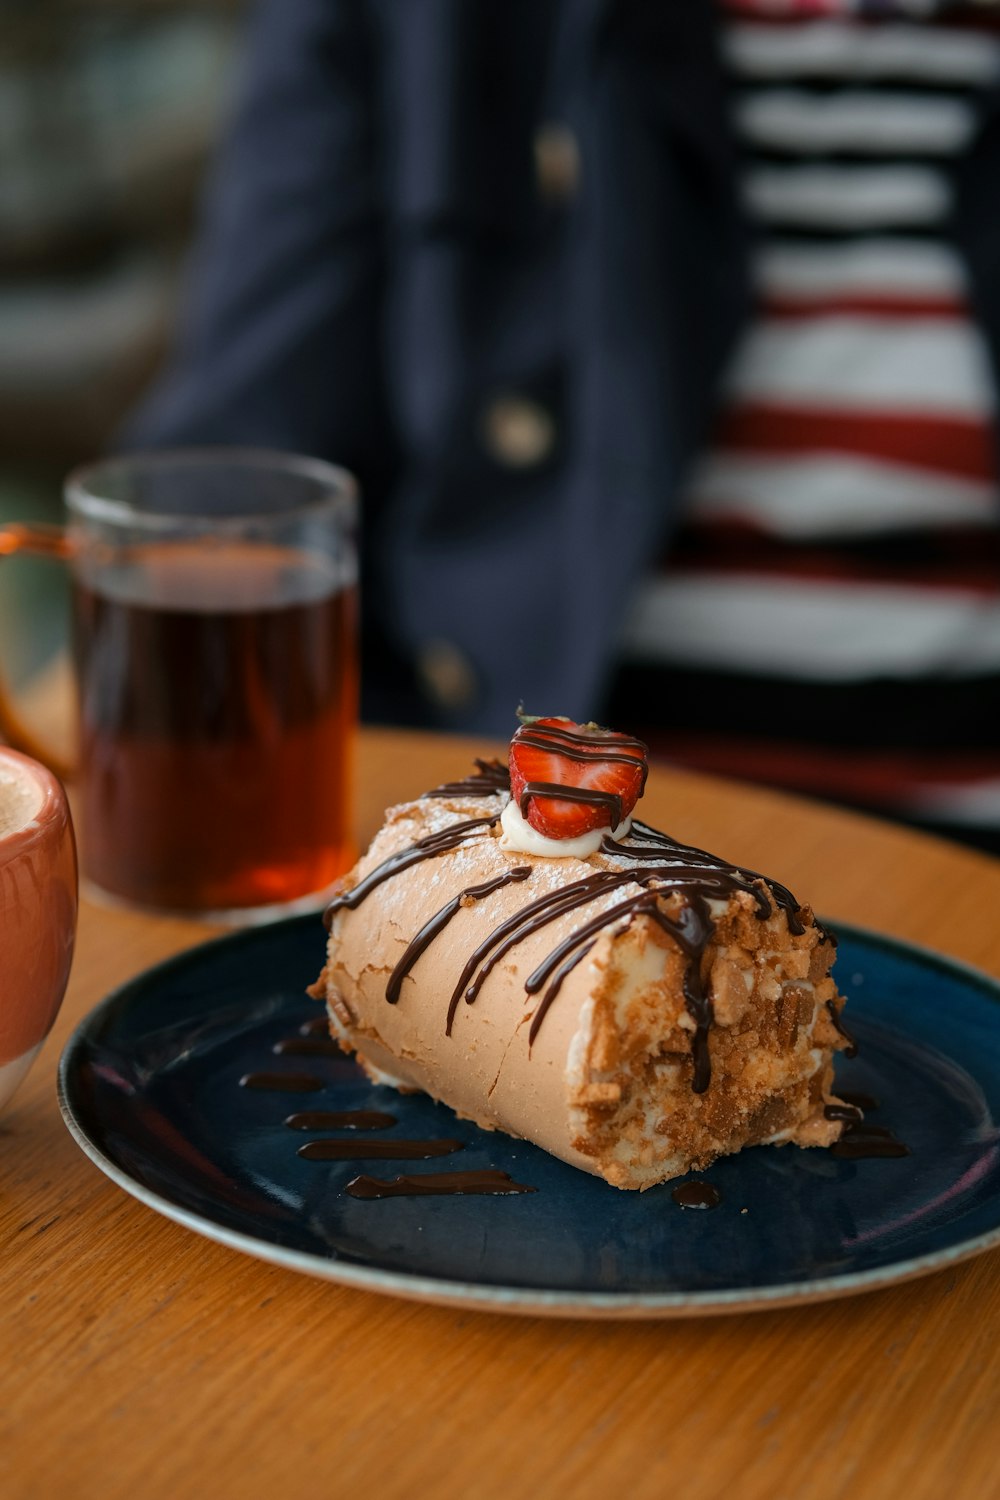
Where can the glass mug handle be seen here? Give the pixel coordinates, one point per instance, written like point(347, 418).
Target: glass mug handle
point(41, 541)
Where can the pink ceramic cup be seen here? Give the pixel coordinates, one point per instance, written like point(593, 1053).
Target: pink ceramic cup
point(38, 900)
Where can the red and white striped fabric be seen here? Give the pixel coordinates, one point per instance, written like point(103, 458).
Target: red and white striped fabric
point(842, 547)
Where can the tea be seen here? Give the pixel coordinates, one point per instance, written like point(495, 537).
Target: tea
point(218, 698)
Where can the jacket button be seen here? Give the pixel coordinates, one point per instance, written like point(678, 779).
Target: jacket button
point(447, 675)
point(557, 162)
point(517, 432)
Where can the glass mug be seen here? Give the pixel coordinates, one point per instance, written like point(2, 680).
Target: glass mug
point(215, 661)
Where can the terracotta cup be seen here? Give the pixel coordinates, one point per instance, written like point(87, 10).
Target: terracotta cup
point(38, 901)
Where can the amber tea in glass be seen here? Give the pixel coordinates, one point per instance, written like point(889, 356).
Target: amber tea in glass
point(215, 652)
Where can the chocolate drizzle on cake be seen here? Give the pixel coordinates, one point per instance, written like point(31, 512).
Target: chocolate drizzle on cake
point(713, 875)
point(663, 868)
point(524, 923)
point(490, 776)
point(851, 1050)
point(594, 745)
point(440, 920)
point(690, 932)
point(428, 847)
point(610, 802)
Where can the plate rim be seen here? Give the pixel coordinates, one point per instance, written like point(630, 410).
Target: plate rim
point(449, 1292)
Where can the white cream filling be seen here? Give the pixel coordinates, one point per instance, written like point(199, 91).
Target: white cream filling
point(518, 837)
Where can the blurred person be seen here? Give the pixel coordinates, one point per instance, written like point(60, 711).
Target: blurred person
point(663, 338)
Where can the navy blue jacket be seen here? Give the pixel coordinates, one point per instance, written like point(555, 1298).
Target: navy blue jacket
point(394, 269)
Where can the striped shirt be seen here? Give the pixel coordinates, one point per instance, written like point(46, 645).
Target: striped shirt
point(829, 617)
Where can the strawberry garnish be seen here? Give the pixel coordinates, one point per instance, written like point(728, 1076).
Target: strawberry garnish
point(568, 779)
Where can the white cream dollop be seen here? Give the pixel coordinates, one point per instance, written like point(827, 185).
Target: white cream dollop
point(519, 837)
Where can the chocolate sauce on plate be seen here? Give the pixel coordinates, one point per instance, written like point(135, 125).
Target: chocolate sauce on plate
point(307, 1046)
point(353, 1150)
point(862, 1140)
point(435, 1184)
point(340, 1119)
point(696, 1195)
point(864, 1102)
point(849, 1112)
point(280, 1083)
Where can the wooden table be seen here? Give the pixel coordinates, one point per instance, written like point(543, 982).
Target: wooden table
point(138, 1359)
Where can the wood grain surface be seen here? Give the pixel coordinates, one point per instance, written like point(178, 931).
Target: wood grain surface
point(138, 1359)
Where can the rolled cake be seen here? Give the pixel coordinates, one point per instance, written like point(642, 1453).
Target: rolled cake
point(638, 1010)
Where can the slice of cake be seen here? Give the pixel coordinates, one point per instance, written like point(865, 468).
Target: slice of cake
point(518, 947)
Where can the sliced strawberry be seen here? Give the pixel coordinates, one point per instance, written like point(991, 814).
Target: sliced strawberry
point(568, 779)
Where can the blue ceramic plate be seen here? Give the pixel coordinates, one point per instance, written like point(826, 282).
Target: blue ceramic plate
point(150, 1086)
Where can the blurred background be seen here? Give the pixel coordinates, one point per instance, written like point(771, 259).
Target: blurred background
point(109, 111)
